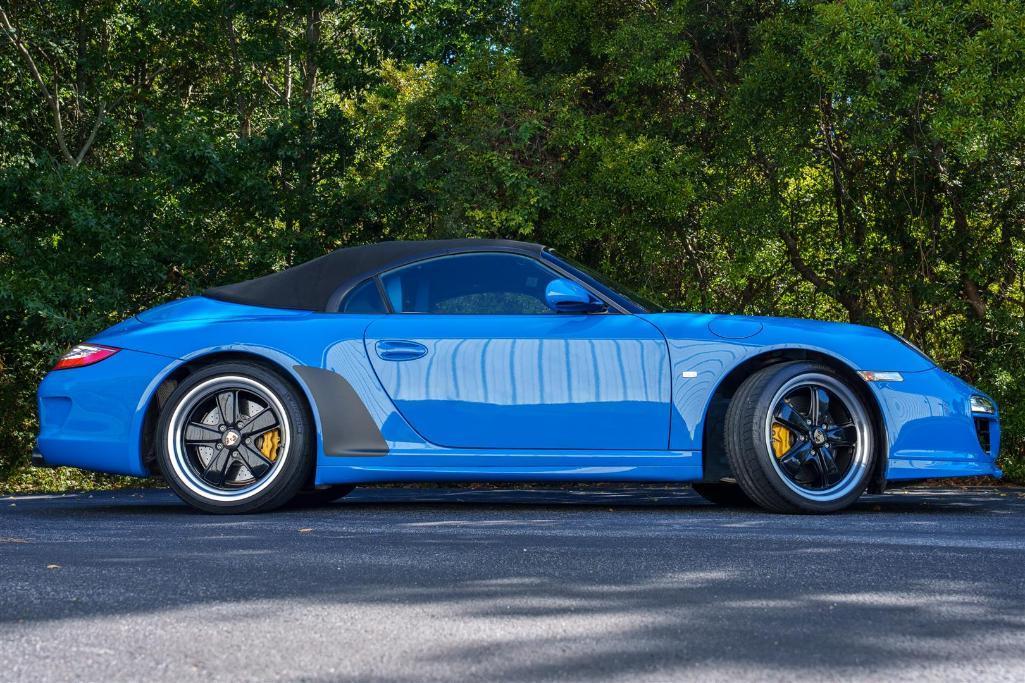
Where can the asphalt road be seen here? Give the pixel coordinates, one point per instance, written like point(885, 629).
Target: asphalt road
point(638, 584)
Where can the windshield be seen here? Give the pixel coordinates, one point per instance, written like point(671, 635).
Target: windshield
point(622, 295)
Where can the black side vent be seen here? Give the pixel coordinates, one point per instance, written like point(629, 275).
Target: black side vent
point(982, 431)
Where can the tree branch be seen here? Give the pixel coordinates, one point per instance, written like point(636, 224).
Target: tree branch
point(799, 263)
point(310, 65)
point(100, 115)
point(703, 64)
point(51, 99)
point(51, 96)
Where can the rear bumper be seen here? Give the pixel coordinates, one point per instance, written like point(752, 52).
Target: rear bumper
point(91, 417)
point(931, 430)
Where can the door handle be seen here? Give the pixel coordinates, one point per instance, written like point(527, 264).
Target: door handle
point(400, 349)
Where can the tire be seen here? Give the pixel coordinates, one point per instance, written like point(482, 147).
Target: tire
point(322, 496)
point(235, 437)
point(724, 493)
point(800, 439)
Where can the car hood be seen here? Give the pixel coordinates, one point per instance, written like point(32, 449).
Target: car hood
point(860, 346)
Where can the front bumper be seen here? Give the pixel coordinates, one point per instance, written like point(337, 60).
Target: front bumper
point(931, 430)
point(91, 417)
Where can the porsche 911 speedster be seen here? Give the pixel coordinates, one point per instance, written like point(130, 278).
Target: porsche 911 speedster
point(492, 360)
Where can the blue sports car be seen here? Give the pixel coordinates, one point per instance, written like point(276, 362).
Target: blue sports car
point(492, 360)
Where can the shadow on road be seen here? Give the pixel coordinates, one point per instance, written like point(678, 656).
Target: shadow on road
point(681, 499)
point(542, 584)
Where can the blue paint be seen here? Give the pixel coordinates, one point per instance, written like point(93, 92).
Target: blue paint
point(552, 397)
point(734, 327)
point(930, 428)
point(478, 472)
point(538, 381)
point(566, 296)
point(91, 417)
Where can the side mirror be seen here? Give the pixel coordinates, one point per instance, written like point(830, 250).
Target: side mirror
point(566, 296)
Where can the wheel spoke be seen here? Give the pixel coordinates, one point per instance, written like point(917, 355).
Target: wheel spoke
point(262, 422)
point(842, 435)
point(821, 404)
point(254, 460)
point(825, 454)
point(791, 418)
point(196, 433)
point(818, 467)
point(216, 470)
point(227, 404)
point(794, 459)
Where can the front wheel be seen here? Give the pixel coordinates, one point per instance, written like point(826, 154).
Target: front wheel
point(234, 437)
point(799, 439)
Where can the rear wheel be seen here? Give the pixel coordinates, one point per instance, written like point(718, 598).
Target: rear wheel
point(234, 437)
point(799, 439)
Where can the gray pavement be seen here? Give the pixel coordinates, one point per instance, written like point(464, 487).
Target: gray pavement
point(612, 584)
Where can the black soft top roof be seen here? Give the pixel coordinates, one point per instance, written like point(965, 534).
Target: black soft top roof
point(320, 284)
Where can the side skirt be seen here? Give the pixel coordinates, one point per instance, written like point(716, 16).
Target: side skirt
point(670, 467)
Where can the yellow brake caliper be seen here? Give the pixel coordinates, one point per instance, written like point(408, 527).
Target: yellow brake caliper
point(782, 440)
point(269, 444)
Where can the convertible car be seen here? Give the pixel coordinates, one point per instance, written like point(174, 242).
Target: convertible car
point(492, 360)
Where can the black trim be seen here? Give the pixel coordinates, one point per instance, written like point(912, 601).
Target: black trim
point(983, 430)
point(37, 459)
point(347, 428)
point(383, 294)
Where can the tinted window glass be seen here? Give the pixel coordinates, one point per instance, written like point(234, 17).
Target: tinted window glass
point(479, 284)
point(364, 299)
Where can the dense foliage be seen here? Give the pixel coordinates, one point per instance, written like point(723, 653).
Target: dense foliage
point(860, 160)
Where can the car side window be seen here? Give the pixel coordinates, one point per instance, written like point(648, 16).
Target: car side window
point(470, 284)
point(364, 298)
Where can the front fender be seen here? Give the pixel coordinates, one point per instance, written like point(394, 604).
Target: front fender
point(705, 349)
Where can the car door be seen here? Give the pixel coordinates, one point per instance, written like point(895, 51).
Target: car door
point(473, 358)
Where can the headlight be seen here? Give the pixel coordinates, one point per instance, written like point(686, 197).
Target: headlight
point(981, 404)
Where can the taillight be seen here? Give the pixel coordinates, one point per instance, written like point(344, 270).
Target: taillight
point(84, 354)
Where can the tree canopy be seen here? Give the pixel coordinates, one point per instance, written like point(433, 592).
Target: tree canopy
point(859, 161)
